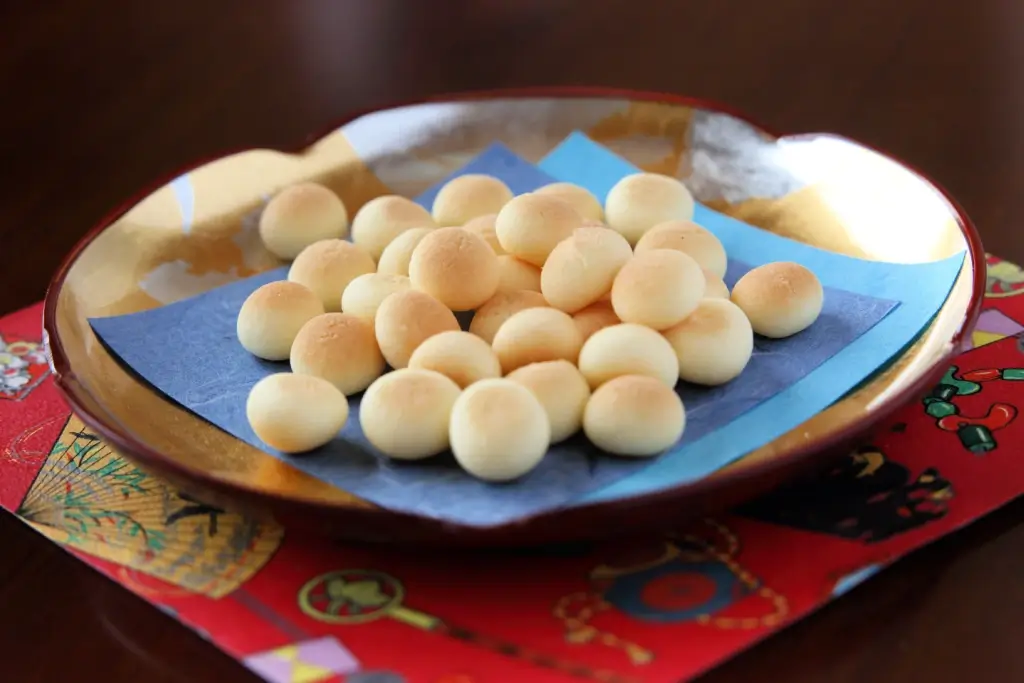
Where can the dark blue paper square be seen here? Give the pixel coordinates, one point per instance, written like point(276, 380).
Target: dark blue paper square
point(189, 351)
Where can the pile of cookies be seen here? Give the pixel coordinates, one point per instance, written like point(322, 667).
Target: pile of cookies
point(584, 317)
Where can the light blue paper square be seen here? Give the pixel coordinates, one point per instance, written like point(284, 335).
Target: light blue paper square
point(920, 288)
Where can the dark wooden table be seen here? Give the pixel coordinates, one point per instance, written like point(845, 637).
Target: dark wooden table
point(99, 98)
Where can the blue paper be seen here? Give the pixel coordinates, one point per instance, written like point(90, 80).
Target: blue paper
point(920, 289)
point(189, 351)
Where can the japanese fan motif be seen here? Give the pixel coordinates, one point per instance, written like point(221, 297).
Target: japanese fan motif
point(88, 497)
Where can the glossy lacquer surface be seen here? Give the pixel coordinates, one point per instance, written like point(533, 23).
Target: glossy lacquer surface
point(198, 231)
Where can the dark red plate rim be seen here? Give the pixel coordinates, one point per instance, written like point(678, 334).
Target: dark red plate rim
point(69, 388)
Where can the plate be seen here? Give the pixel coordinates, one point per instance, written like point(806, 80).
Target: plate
point(196, 230)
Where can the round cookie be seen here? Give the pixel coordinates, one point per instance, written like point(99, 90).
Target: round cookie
point(780, 299)
point(326, 267)
point(530, 226)
point(483, 226)
point(515, 275)
point(468, 196)
point(594, 317)
point(642, 200)
point(580, 269)
point(300, 215)
point(561, 389)
point(628, 349)
point(460, 356)
point(579, 198)
point(455, 267)
point(635, 416)
point(384, 218)
point(715, 287)
point(658, 288)
point(295, 413)
point(394, 260)
point(365, 293)
point(534, 335)
point(339, 348)
point(502, 306)
point(499, 430)
point(405, 413)
point(689, 238)
point(405, 320)
point(713, 344)
point(271, 316)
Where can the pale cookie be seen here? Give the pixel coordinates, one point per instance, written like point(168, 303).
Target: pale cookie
point(295, 413)
point(405, 413)
point(780, 299)
point(462, 357)
point(326, 267)
point(594, 317)
point(634, 416)
point(534, 335)
point(713, 344)
point(515, 275)
point(640, 201)
point(464, 198)
point(561, 389)
point(499, 430)
point(364, 294)
point(395, 258)
point(483, 226)
point(384, 218)
point(405, 320)
point(502, 306)
point(658, 288)
point(689, 238)
point(579, 198)
point(339, 348)
point(530, 226)
point(300, 215)
point(456, 267)
point(581, 268)
point(271, 316)
point(628, 349)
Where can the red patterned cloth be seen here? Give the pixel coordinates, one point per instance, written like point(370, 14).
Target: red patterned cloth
point(658, 610)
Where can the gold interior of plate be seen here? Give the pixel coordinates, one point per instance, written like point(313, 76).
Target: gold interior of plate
point(199, 232)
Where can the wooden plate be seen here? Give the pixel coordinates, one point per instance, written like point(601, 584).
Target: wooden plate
point(195, 231)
